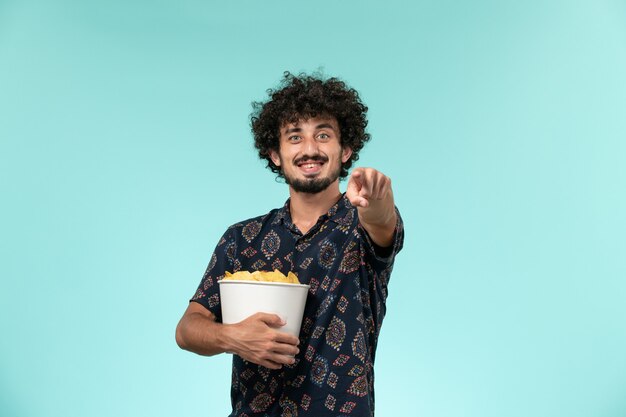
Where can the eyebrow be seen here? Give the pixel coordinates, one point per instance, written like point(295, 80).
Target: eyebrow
point(325, 126)
point(320, 126)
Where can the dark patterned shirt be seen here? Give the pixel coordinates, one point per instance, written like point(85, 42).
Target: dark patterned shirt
point(348, 275)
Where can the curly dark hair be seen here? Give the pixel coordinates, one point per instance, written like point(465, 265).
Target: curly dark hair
point(303, 97)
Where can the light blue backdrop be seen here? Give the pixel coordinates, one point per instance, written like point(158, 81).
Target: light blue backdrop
point(125, 152)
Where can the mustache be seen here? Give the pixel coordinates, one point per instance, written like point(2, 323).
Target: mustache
point(312, 158)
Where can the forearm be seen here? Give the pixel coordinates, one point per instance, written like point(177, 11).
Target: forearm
point(255, 339)
point(201, 334)
point(379, 220)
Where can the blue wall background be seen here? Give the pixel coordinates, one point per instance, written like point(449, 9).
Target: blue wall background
point(125, 152)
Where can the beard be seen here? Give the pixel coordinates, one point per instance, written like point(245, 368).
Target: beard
point(312, 185)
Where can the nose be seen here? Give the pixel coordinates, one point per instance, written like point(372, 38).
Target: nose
point(310, 147)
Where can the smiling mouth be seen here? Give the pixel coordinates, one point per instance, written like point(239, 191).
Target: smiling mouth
point(310, 164)
point(310, 167)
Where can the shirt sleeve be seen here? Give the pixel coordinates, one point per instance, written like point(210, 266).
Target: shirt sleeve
point(381, 258)
point(379, 262)
point(208, 293)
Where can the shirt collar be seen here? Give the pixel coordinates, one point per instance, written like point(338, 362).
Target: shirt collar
point(341, 213)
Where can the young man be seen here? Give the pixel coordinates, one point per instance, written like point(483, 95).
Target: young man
point(310, 132)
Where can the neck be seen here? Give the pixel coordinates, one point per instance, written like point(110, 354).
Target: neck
point(306, 208)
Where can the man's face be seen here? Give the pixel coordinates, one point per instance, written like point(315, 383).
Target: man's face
point(310, 154)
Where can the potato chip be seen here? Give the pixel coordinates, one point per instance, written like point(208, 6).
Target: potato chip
point(240, 275)
point(293, 278)
point(263, 276)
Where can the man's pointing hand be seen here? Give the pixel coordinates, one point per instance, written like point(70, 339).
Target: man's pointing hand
point(370, 192)
point(367, 184)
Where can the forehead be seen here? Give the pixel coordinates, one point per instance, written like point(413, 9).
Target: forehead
point(310, 123)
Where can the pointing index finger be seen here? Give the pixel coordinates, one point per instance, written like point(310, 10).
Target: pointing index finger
point(357, 176)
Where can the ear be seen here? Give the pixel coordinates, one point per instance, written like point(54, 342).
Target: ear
point(275, 157)
point(346, 153)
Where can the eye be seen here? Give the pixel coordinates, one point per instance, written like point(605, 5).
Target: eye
point(294, 138)
point(323, 136)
